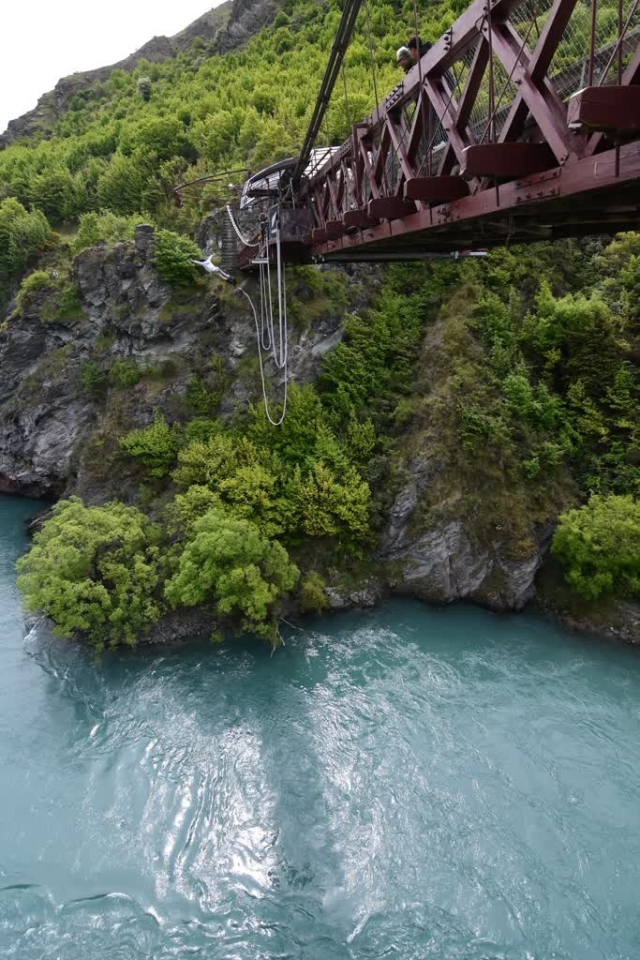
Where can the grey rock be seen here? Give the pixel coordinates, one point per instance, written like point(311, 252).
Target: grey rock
point(443, 560)
point(145, 243)
point(366, 595)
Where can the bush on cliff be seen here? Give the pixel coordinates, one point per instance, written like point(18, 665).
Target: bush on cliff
point(599, 546)
point(104, 226)
point(95, 571)
point(155, 446)
point(37, 282)
point(173, 258)
point(22, 233)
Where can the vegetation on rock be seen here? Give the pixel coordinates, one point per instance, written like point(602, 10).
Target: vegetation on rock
point(515, 377)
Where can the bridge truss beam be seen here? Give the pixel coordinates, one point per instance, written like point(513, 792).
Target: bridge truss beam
point(495, 79)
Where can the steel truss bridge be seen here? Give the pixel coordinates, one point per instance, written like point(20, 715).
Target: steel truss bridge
point(521, 123)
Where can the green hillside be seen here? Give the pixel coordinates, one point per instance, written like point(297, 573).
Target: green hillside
point(114, 150)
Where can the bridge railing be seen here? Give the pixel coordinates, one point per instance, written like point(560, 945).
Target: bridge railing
point(499, 78)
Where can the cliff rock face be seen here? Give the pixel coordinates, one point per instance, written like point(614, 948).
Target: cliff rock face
point(447, 560)
point(65, 400)
point(70, 389)
point(62, 403)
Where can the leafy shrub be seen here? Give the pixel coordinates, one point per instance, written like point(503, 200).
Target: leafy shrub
point(599, 546)
point(207, 462)
point(70, 302)
point(201, 400)
point(35, 283)
point(125, 185)
point(95, 571)
point(371, 369)
point(59, 194)
point(229, 564)
point(125, 372)
point(22, 233)
point(330, 508)
point(104, 226)
point(156, 447)
point(173, 258)
point(93, 379)
point(313, 597)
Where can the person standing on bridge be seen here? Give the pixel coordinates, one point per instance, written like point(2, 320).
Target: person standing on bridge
point(417, 48)
point(404, 58)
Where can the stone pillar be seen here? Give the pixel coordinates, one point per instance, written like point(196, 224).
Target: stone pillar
point(145, 240)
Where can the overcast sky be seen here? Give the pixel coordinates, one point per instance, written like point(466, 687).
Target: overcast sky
point(43, 41)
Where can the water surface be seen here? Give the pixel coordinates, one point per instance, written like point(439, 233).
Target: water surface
point(411, 783)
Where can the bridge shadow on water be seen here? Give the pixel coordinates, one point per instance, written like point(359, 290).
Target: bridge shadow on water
point(201, 765)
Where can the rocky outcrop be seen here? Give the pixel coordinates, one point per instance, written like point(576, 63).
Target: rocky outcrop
point(61, 399)
point(445, 560)
point(619, 621)
point(247, 18)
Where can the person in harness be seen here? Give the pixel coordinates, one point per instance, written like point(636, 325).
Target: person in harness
point(211, 267)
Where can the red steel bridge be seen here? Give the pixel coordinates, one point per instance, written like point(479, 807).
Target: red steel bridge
point(521, 123)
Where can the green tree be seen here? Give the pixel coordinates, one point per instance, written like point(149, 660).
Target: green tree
point(95, 571)
point(173, 258)
point(155, 446)
point(599, 546)
point(229, 564)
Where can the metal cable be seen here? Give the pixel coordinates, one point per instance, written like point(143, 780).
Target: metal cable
point(373, 61)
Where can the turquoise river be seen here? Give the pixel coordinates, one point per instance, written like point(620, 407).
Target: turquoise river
point(407, 784)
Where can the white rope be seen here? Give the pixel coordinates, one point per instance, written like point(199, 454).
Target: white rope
point(265, 326)
point(279, 353)
point(279, 421)
point(241, 237)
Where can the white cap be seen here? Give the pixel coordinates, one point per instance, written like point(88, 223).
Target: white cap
point(402, 53)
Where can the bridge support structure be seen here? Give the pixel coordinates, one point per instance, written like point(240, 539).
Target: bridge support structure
point(506, 131)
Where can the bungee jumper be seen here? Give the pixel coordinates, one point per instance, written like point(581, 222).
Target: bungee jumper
point(211, 267)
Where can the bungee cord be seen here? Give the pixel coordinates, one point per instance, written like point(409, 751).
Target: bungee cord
point(241, 237)
point(266, 339)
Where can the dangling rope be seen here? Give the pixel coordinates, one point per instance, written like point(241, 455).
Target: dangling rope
point(279, 421)
point(241, 237)
point(373, 60)
point(265, 326)
point(426, 114)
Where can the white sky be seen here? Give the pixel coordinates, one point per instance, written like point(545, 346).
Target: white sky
point(44, 40)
